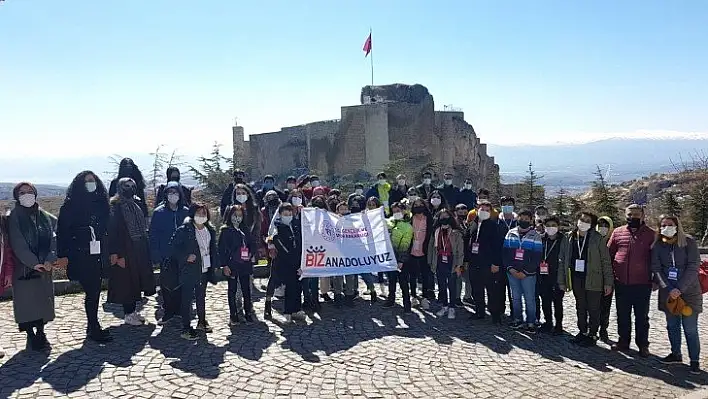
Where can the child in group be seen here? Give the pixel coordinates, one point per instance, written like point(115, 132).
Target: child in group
point(399, 226)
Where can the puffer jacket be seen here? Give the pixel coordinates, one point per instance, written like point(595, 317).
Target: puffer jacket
point(401, 238)
point(687, 260)
point(631, 255)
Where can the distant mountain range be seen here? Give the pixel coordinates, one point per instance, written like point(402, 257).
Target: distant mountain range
point(572, 166)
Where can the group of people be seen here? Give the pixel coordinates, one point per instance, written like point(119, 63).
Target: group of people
point(442, 235)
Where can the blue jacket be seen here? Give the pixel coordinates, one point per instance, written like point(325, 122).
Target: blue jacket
point(531, 243)
point(163, 225)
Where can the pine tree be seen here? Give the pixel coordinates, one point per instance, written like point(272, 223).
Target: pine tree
point(699, 209)
point(211, 173)
point(531, 194)
point(576, 206)
point(604, 197)
point(670, 205)
point(561, 204)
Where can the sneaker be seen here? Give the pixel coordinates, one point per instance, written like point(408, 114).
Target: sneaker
point(140, 316)
point(132, 320)
point(695, 368)
point(389, 304)
point(407, 309)
point(279, 292)
point(268, 312)
point(442, 312)
point(300, 315)
point(580, 337)
point(516, 324)
point(250, 317)
point(531, 328)
point(588, 342)
point(99, 336)
point(190, 335)
point(288, 319)
point(349, 301)
point(205, 327)
point(414, 302)
point(425, 304)
point(620, 347)
point(558, 330)
point(672, 359)
point(234, 322)
point(165, 319)
point(604, 336)
point(547, 327)
point(451, 314)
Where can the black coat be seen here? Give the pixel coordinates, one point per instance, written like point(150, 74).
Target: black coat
point(490, 245)
point(397, 194)
point(551, 254)
point(184, 243)
point(142, 203)
point(424, 191)
point(230, 242)
point(450, 193)
point(161, 197)
point(467, 197)
point(74, 236)
point(261, 193)
point(288, 242)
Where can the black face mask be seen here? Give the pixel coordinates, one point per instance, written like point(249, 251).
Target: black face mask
point(238, 179)
point(444, 222)
point(174, 178)
point(634, 223)
point(418, 209)
point(524, 224)
point(273, 202)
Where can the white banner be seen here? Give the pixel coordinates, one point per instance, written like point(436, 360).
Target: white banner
point(335, 245)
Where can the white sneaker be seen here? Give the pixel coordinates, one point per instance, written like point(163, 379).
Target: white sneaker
point(442, 312)
point(414, 302)
point(425, 304)
point(132, 320)
point(140, 316)
point(451, 314)
point(279, 292)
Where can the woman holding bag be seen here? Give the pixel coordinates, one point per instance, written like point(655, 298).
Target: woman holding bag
point(675, 261)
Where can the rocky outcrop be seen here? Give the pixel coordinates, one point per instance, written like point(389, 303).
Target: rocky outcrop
point(398, 92)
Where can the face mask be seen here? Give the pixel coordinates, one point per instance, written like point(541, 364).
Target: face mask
point(296, 201)
point(507, 209)
point(444, 222)
point(524, 225)
point(604, 231)
point(315, 183)
point(90, 186)
point(200, 220)
point(268, 184)
point(427, 181)
point(468, 186)
point(401, 182)
point(382, 182)
point(359, 191)
point(238, 179)
point(668, 231)
point(127, 191)
point(236, 220)
point(583, 226)
point(398, 216)
point(173, 198)
point(448, 182)
point(273, 202)
point(27, 200)
point(634, 222)
point(484, 215)
point(412, 198)
point(291, 186)
point(241, 199)
point(418, 209)
point(551, 231)
point(436, 201)
point(286, 219)
point(174, 178)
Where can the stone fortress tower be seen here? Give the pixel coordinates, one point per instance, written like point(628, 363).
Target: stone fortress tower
point(394, 123)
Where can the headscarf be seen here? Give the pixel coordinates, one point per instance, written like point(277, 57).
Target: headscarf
point(132, 214)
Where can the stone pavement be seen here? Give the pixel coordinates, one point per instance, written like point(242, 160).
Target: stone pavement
point(361, 352)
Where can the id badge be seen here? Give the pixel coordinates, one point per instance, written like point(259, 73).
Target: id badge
point(543, 268)
point(673, 274)
point(519, 254)
point(244, 254)
point(580, 265)
point(444, 259)
point(206, 261)
point(95, 247)
point(475, 248)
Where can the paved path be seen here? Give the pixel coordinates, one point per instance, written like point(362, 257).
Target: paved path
point(364, 352)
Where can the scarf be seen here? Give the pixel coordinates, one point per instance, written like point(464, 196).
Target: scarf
point(36, 228)
point(134, 219)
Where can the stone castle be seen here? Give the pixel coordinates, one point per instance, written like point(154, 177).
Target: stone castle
point(395, 124)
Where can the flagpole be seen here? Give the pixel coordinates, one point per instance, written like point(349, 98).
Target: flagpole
point(372, 57)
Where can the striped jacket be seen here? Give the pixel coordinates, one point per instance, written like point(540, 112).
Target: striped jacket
point(531, 244)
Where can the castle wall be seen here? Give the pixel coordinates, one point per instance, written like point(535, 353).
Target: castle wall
point(376, 136)
point(278, 152)
point(410, 128)
point(458, 148)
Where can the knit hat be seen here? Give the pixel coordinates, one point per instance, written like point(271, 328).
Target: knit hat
point(678, 307)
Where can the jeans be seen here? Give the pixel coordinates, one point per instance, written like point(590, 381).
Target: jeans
point(526, 289)
point(690, 330)
point(587, 305)
point(240, 284)
point(194, 290)
point(402, 279)
point(369, 280)
point(92, 287)
point(447, 283)
point(627, 298)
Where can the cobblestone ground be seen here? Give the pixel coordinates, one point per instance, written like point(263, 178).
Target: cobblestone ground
point(361, 352)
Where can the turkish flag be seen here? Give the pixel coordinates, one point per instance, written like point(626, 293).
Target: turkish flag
point(367, 45)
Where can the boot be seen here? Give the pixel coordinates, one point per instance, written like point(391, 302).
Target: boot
point(268, 313)
point(374, 297)
point(349, 301)
point(98, 335)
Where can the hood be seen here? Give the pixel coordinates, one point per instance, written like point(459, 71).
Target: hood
point(608, 220)
point(169, 172)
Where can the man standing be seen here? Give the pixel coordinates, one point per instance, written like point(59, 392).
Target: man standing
point(426, 188)
point(227, 197)
point(630, 251)
point(449, 191)
point(467, 195)
point(381, 190)
point(269, 185)
point(400, 190)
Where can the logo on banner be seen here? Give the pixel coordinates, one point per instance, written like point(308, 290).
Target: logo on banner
point(328, 231)
point(315, 257)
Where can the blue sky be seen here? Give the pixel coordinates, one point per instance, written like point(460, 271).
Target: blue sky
point(86, 77)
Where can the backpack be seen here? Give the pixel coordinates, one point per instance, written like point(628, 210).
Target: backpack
point(703, 276)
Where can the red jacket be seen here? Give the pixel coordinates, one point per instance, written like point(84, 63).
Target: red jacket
point(8, 261)
point(631, 255)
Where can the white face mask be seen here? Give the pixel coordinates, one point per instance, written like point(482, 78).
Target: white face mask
point(412, 198)
point(286, 219)
point(448, 182)
point(604, 231)
point(291, 186)
point(668, 231)
point(241, 199)
point(296, 201)
point(484, 215)
point(315, 183)
point(236, 220)
point(200, 220)
point(468, 186)
point(90, 186)
point(551, 231)
point(27, 200)
point(382, 182)
point(398, 216)
point(583, 226)
point(401, 182)
point(436, 201)
point(359, 191)
point(426, 181)
point(173, 198)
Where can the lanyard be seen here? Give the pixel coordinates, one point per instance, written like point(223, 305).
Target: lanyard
point(508, 225)
point(479, 228)
point(580, 249)
point(673, 260)
point(545, 256)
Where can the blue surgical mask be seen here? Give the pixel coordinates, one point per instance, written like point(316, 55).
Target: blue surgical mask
point(286, 219)
point(507, 209)
point(268, 184)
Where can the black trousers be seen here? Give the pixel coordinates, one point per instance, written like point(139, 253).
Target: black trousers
point(293, 292)
point(194, 290)
point(551, 300)
point(91, 284)
point(402, 278)
point(587, 304)
point(493, 284)
point(507, 289)
point(421, 270)
point(169, 288)
point(605, 312)
point(274, 281)
point(244, 281)
point(628, 298)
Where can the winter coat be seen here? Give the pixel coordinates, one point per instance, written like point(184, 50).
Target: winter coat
point(458, 249)
point(288, 243)
point(76, 219)
point(401, 238)
point(184, 243)
point(142, 197)
point(490, 245)
point(33, 242)
point(687, 261)
point(598, 268)
point(450, 193)
point(424, 191)
point(163, 225)
point(631, 255)
point(185, 198)
point(397, 194)
point(127, 285)
point(467, 197)
point(531, 243)
point(231, 240)
point(383, 193)
point(261, 194)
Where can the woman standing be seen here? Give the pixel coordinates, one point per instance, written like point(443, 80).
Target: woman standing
point(446, 255)
point(288, 242)
point(418, 269)
point(675, 261)
point(34, 245)
point(437, 202)
point(130, 274)
point(237, 249)
point(127, 168)
point(7, 263)
point(83, 220)
point(195, 250)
